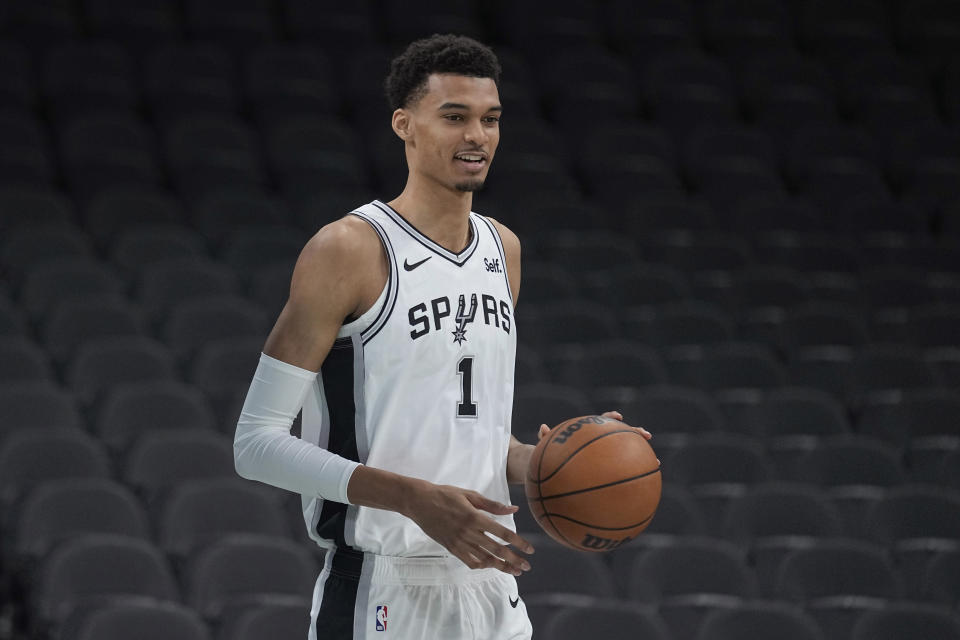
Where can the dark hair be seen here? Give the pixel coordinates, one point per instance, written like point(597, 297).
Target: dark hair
point(407, 81)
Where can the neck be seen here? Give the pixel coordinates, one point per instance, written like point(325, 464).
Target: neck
point(440, 213)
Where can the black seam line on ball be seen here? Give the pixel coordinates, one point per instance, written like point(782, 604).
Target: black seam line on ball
point(581, 448)
point(600, 486)
point(594, 526)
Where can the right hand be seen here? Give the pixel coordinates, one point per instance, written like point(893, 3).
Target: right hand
point(455, 518)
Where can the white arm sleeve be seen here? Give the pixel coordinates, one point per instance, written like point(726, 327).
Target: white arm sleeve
point(266, 451)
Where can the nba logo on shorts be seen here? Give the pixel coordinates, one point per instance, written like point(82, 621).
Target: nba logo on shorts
point(381, 617)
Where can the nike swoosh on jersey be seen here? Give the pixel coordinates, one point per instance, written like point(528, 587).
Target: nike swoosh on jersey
point(410, 267)
point(514, 603)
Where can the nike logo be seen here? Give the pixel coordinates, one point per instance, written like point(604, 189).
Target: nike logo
point(410, 267)
point(514, 603)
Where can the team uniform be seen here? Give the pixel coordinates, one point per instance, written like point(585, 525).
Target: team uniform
point(421, 385)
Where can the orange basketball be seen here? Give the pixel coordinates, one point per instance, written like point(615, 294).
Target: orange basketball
point(593, 483)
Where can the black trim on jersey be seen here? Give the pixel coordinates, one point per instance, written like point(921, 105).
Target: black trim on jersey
point(458, 259)
point(337, 373)
point(503, 255)
point(392, 281)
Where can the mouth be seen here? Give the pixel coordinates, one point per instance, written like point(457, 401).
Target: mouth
point(472, 162)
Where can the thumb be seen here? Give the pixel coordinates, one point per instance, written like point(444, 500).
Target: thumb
point(544, 430)
point(486, 504)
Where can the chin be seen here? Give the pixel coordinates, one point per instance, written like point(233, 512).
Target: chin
point(469, 185)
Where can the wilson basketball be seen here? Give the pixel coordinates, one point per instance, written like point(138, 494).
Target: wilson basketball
point(593, 483)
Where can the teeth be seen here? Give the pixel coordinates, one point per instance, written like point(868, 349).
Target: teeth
point(470, 158)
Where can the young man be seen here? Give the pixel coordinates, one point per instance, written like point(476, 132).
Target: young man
point(406, 311)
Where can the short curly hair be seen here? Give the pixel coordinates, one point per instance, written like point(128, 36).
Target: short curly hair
point(407, 80)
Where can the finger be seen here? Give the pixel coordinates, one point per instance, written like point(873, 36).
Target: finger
point(544, 430)
point(503, 558)
point(492, 506)
point(508, 536)
point(646, 434)
point(615, 415)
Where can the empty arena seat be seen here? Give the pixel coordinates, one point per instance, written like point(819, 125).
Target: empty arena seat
point(57, 280)
point(546, 403)
point(114, 210)
point(760, 620)
point(307, 154)
point(101, 364)
point(904, 621)
point(618, 623)
point(781, 510)
point(27, 206)
point(560, 571)
point(19, 86)
point(194, 323)
point(164, 284)
point(878, 368)
point(83, 77)
point(690, 323)
point(59, 510)
point(183, 78)
point(818, 324)
point(846, 460)
point(207, 152)
point(835, 568)
point(199, 511)
point(130, 410)
point(142, 619)
point(719, 458)
point(609, 364)
point(29, 456)
point(333, 27)
point(283, 80)
point(235, 25)
point(21, 360)
point(240, 571)
point(727, 365)
point(37, 404)
point(941, 580)
point(31, 246)
point(641, 285)
point(74, 322)
point(268, 621)
point(141, 25)
point(669, 409)
point(74, 575)
point(222, 211)
point(246, 250)
point(138, 247)
point(915, 511)
point(160, 459)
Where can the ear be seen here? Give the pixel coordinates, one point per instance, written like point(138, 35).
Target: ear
point(402, 124)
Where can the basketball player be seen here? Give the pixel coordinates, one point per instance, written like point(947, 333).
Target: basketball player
point(398, 341)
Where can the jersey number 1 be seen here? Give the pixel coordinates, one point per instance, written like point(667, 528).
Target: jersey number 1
point(466, 408)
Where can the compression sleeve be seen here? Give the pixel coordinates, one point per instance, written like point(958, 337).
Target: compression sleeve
point(266, 451)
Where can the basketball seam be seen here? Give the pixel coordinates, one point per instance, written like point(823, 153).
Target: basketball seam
point(578, 450)
point(599, 486)
point(540, 491)
point(594, 526)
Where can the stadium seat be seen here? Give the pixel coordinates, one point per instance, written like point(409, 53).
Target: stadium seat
point(237, 572)
point(640, 285)
point(198, 512)
point(31, 246)
point(85, 77)
point(846, 460)
point(941, 580)
point(190, 78)
point(335, 28)
point(610, 364)
point(164, 284)
point(308, 154)
point(620, 623)
point(138, 408)
point(234, 25)
point(100, 151)
point(558, 570)
point(58, 510)
point(246, 250)
point(690, 578)
point(96, 568)
point(69, 278)
point(288, 80)
point(690, 323)
point(545, 403)
point(117, 209)
point(905, 621)
point(193, 323)
point(28, 457)
point(138, 247)
point(207, 152)
point(719, 458)
point(30, 206)
point(589, 80)
point(760, 620)
point(160, 459)
point(268, 621)
point(141, 26)
point(641, 30)
point(781, 510)
point(141, 619)
point(741, 30)
point(833, 568)
point(405, 23)
point(100, 365)
point(223, 211)
point(74, 322)
point(18, 89)
point(729, 365)
point(21, 360)
point(878, 368)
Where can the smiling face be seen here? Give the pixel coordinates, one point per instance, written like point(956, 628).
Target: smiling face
point(451, 131)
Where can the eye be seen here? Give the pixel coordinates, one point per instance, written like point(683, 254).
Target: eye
point(453, 117)
point(492, 119)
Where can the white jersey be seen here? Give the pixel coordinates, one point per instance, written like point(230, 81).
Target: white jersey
point(421, 385)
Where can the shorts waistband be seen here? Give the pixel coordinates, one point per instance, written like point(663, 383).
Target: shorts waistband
point(406, 570)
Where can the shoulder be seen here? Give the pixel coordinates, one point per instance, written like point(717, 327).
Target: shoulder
point(346, 253)
point(511, 243)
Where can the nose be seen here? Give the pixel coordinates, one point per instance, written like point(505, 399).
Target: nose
point(476, 134)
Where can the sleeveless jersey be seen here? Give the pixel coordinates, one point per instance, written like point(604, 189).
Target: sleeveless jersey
point(422, 385)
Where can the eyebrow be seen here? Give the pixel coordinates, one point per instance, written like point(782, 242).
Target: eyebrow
point(457, 105)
